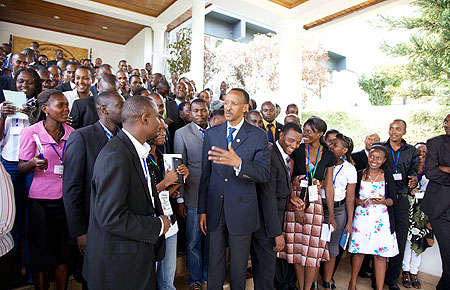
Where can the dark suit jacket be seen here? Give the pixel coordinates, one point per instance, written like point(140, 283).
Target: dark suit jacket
point(177, 124)
point(220, 187)
point(437, 195)
point(6, 83)
point(64, 87)
point(123, 226)
point(360, 159)
point(172, 110)
point(84, 112)
point(82, 149)
point(278, 129)
point(273, 196)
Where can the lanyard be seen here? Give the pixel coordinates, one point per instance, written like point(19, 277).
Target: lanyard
point(61, 158)
point(145, 171)
point(309, 166)
point(176, 104)
point(156, 164)
point(398, 157)
point(420, 179)
point(17, 122)
point(334, 179)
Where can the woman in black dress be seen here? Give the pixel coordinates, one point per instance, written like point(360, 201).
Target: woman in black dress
point(313, 170)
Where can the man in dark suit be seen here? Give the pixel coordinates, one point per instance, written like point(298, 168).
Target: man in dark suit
point(235, 157)
point(126, 223)
point(82, 149)
point(84, 111)
point(184, 118)
point(18, 61)
point(172, 105)
point(272, 200)
point(59, 55)
point(360, 157)
point(272, 127)
point(436, 203)
point(70, 72)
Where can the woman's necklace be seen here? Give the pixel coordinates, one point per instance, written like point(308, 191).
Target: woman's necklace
point(371, 180)
point(59, 133)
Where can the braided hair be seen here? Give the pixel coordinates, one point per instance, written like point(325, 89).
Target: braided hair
point(36, 114)
point(383, 166)
point(347, 142)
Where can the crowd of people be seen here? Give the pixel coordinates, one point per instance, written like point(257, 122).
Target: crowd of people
point(85, 189)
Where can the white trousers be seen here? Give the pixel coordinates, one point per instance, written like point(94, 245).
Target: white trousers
point(411, 261)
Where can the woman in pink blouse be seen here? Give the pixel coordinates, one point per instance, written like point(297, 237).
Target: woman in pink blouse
point(41, 151)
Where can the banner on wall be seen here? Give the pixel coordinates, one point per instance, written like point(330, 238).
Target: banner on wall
point(49, 48)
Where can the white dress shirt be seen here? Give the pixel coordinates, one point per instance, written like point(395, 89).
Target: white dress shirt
point(283, 154)
point(72, 96)
point(11, 138)
point(237, 170)
point(143, 151)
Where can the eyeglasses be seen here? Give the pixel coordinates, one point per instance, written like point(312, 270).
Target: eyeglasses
point(233, 104)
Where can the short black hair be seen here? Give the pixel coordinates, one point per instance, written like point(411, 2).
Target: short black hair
point(43, 55)
point(181, 106)
point(100, 99)
point(244, 92)
point(254, 112)
point(73, 63)
point(132, 76)
point(331, 131)
point(134, 107)
point(201, 101)
point(294, 126)
point(138, 91)
point(401, 121)
point(90, 69)
point(219, 112)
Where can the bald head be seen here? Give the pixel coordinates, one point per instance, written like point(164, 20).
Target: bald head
point(107, 82)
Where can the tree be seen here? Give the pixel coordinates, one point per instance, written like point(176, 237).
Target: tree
point(428, 48)
point(180, 52)
point(380, 86)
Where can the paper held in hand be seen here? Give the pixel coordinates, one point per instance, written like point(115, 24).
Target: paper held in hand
point(17, 99)
point(327, 230)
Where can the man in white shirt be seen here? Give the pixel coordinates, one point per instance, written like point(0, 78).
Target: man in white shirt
point(84, 76)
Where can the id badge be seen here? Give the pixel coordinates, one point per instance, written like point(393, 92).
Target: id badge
point(313, 193)
point(59, 169)
point(420, 194)
point(397, 176)
point(15, 130)
point(304, 183)
point(165, 203)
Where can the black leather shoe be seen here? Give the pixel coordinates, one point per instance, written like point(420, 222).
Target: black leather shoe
point(314, 286)
point(394, 287)
point(373, 285)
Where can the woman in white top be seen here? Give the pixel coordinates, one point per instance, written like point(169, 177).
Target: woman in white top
point(28, 82)
point(344, 181)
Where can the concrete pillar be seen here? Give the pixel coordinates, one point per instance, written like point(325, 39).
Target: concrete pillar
point(198, 39)
point(290, 67)
point(158, 46)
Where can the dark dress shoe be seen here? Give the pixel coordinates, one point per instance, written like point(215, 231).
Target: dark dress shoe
point(394, 287)
point(314, 286)
point(373, 285)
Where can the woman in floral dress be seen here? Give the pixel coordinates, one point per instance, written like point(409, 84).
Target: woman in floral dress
point(373, 224)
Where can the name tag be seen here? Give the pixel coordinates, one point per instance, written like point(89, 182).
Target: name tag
point(15, 130)
point(313, 193)
point(397, 176)
point(304, 183)
point(59, 169)
point(420, 194)
point(165, 203)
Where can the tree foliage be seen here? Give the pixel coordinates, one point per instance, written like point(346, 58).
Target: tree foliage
point(381, 84)
point(180, 52)
point(428, 48)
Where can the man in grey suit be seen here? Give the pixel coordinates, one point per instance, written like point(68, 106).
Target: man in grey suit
point(188, 141)
point(126, 224)
point(235, 157)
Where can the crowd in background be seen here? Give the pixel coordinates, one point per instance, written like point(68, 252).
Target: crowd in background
point(70, 201)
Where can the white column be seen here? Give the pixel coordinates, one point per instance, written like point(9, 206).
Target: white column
point(198, 39)
point(290, 67)
point(158, 46)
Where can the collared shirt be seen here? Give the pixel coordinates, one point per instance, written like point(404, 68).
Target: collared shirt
point(46, 184)
point(11, 138)
point(237, 170)
point(274, 126)
point(72, 96)
point(408, 163)
point(143, 150)
point(7, 211)
point(283, 154)
point(201, 129)
point(108, 133)
point(72, 85)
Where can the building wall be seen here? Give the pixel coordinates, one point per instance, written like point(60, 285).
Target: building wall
point(138, 50)
point(109, 52)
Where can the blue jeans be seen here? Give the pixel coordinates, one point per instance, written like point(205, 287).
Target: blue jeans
point(165, 273)
point(21, 185)
point(196, 258)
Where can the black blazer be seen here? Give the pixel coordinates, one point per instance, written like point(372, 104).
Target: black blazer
point(172, 110)
point(278, 128)
point(437, 196)
point(360, 159)
point(83, 112)
point(64, 87)
point(6, 83)
point(273, 197)
point(82, 149)
point(391, 192)
point(124, 225)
